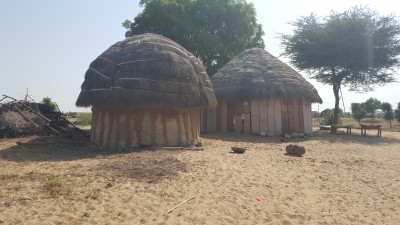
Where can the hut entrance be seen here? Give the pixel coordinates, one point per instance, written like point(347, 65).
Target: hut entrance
point(292, 116)
point(242, 123)
point(239, 117)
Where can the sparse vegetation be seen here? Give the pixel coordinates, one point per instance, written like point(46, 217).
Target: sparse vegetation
point(388, 112)
point(397, 112)
point(327, 117)
point(316, 122)
point(50, 104)
point(358, 111)
point(54, 181)
point(371, 105)
point(83, 119)
point(68, 182)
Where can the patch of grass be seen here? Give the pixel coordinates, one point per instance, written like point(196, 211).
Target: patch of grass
point(83, 119)
point(54, 181)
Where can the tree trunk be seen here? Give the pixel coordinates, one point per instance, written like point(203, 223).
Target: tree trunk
point(390, 122)
point(336, 88)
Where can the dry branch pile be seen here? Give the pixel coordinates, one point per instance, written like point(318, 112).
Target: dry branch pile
point(25, 118)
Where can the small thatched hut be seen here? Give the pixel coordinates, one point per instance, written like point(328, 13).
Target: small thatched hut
point(260, 94)
point(146, 91)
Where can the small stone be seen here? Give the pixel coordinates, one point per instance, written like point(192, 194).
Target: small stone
point(295, 135)
point(199, 143)
point(301, 135)
point(263, 133)
point(296, 150)
point(287, 136)
point(270, 134)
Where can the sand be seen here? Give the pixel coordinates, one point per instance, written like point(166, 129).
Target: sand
point(342, 179)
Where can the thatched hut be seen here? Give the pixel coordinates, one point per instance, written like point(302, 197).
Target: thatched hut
point(260, 94)
point(146, 91)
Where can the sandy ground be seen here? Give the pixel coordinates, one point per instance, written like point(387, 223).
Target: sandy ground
point(342, 179)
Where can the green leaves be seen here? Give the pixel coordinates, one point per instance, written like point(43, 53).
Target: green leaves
point(214, 30)
point(387, 110)
point(397, 112)
point(52, 106)
point(357, 48)
point(358, 111)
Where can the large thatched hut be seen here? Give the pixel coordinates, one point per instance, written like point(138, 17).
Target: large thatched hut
point(260, 94)
point(146, 91)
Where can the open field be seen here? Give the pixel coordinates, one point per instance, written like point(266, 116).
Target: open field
point(342, 179)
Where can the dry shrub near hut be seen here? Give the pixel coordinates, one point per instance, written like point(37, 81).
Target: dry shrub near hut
point(146, 90)
point(258, 93)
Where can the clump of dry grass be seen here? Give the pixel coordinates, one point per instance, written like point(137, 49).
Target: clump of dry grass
point(54, 181)
point(54, 186)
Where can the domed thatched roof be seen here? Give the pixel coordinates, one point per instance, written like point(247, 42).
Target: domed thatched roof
point(256, 74)
point(147, 70)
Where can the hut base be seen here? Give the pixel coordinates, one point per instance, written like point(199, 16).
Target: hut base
point(123, 127)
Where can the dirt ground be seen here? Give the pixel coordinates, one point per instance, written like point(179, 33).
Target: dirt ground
point(342, 179)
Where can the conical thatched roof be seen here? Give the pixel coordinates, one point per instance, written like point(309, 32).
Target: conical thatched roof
point(147, 70)
point(256, 74)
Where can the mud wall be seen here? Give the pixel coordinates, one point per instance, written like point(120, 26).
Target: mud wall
point(123, 127)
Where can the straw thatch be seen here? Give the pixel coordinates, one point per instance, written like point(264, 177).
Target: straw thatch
point(256, 74)
point(147, 70)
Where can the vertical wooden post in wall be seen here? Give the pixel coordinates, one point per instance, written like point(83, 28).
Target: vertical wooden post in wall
point(209, 120)
point(307, 116)
point(214, 120)
point(271, 116)
point(278, 116)
point(263, 115)
point(224, 119)
point(255, 117)
point(296, 119)
point(285, 117)
point(301, 117)
point(291, 116)
point(230, 117)
point(218, 119)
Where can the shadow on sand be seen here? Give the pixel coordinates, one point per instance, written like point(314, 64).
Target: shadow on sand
point(251, 138)
point(341, 137)
point(56, 148)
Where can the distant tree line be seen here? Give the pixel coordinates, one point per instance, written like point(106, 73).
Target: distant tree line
point(359, 111)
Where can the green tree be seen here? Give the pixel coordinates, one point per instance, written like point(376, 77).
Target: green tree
point(388, 112)
point(357, 48)
point(358, 111)
point(330, 111)
point(327, 118)
point(371, 105)
point(397, 112)
point(213, 30)
point(50, 104)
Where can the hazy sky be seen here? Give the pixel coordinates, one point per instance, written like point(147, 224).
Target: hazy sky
point(47, 46)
